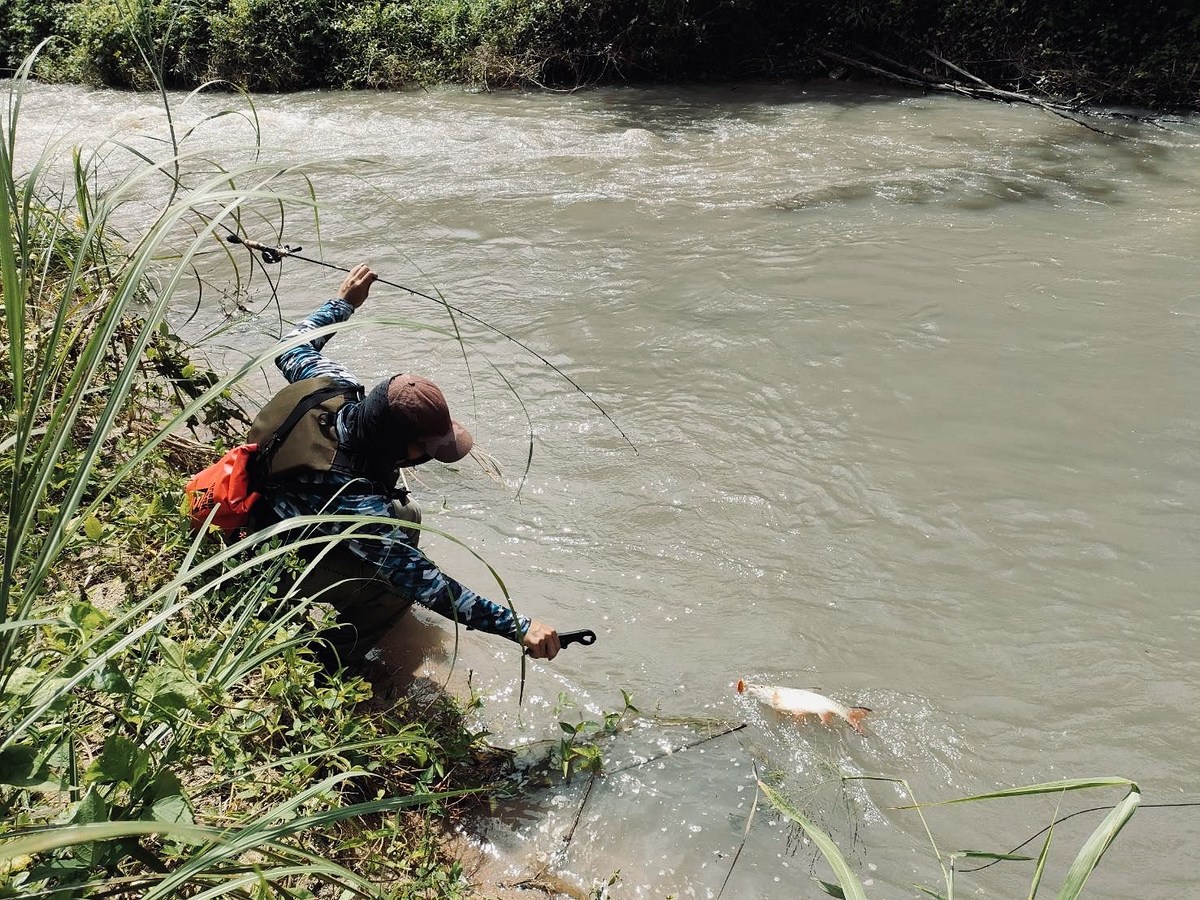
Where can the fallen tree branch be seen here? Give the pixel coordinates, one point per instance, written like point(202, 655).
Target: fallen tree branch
point(883, 73)
point(980, 90)
point(963, 72)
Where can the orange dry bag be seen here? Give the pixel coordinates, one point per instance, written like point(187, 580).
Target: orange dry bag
point(226, 485)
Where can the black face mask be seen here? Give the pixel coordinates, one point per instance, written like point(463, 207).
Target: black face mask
point(371, 426)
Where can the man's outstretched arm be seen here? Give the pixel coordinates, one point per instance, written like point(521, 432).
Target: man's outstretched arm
point(417, 577)
point(305, 360)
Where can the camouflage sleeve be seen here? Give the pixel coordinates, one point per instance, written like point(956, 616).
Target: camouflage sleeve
point(414, 575)
point(305, 360)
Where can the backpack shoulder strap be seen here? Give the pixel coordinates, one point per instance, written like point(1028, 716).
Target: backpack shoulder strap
point(307, 402)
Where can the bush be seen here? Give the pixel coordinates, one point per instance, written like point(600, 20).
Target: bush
point(103, 42)
point(271, 45)
point(25, 24)
point(1099, 51)
point(398, 43)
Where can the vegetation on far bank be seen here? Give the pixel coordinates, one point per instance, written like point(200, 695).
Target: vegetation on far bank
point(1088, 52)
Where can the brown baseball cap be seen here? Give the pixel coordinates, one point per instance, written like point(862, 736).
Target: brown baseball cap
point(418, 413)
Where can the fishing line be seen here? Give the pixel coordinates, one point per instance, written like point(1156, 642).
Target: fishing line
point(1080, 812)
point(671, 751)
point(277, 255)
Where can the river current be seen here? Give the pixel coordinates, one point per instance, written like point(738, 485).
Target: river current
point(912, 382)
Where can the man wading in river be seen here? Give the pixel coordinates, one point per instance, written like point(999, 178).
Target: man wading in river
point(342, 456)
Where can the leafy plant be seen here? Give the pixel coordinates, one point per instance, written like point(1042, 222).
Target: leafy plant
point(578, 747)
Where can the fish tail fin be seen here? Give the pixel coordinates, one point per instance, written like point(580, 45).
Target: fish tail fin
point(855, 717)
point(741, 686)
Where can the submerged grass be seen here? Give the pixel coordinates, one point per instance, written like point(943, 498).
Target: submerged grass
point(163, 731)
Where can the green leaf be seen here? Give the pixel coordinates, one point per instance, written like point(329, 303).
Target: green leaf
point(92, 528)
point(170, 685)
point(852, 888)
point(120, 762)
point(20, 767)
point(1041, 864)
point(168, 802)
point(1095, 846)
point(91, 809)
point(84, 616)
point(831, 889)
point(1049, 787)
point(76, 835)
point(110, 680)
point(35, 689)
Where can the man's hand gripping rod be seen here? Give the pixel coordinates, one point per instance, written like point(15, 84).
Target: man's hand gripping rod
point(277, 254)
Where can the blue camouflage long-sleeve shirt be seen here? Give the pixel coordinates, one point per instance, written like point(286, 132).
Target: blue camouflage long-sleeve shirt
point(406, 568)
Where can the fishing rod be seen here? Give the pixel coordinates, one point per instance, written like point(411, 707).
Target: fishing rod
point(274, 255)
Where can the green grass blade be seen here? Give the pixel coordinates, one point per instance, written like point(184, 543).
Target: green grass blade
point(1095, 846)
point(851, 887)
point(1049, 787)
point(72, 835)
point(1040, 870)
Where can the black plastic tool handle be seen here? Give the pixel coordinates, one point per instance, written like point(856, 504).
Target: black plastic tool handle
point(584, 636)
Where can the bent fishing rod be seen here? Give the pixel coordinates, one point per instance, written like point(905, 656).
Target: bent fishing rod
point(274, 255)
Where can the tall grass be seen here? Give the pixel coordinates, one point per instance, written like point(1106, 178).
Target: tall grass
point(162, 731)
point(1086, 859)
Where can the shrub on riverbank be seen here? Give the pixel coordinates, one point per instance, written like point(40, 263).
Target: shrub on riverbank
point(163, 728)
point(1091, 51)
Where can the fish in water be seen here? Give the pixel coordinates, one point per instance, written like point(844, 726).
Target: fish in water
point(800, 703)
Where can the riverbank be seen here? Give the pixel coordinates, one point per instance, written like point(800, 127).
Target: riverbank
point(1084, 55)
point(164, 726)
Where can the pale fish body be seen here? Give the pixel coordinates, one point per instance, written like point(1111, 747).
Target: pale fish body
point(799, 703)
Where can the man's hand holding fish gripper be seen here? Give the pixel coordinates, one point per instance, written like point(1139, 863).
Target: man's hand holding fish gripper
point(560, 640)
point(541, 641)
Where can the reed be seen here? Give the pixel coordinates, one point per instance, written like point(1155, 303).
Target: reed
point(1086, 859)
point(162, 728)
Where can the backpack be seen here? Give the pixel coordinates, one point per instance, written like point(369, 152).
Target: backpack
point(232, 485)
